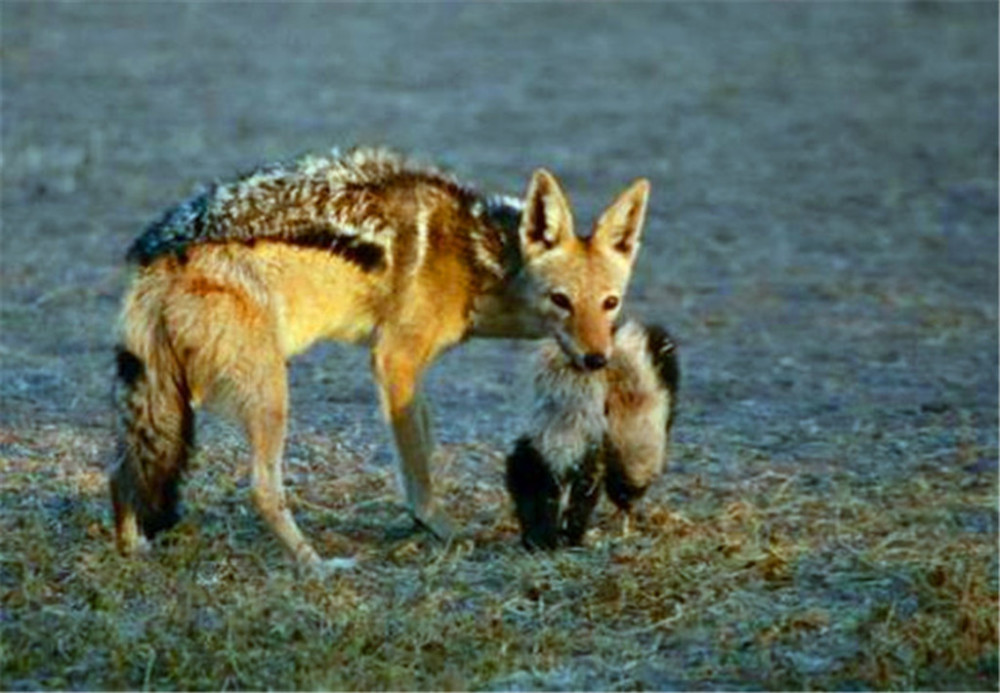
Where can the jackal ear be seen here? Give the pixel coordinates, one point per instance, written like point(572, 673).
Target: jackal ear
point(547, 220)
point(620, 227)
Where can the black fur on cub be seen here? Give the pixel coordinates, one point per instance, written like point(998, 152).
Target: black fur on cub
point(609, 427)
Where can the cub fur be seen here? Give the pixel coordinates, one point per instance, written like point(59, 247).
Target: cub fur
point(590, 428)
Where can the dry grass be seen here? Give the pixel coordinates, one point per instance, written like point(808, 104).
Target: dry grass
point(775, 581)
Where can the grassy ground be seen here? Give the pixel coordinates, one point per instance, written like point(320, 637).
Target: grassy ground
point(822, 240)
point(780, 580)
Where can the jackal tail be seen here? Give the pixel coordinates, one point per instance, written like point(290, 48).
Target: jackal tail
point(155, 434)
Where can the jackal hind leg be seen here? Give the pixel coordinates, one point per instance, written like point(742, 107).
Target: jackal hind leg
point(265, 416)
point(255, 390)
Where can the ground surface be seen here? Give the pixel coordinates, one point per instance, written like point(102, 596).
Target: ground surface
point(822, 240)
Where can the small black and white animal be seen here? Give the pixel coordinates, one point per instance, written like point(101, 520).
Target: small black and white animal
point(592, 427)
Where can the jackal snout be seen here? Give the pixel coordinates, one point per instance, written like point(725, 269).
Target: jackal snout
point(587, 344)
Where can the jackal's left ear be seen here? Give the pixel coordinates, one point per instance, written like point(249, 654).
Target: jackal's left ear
point(620, 227)
point(547, 220)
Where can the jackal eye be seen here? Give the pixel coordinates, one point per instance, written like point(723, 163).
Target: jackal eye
point(561, 300)
point(611, 302)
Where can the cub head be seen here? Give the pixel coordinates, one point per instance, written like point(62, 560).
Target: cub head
point(577, 285)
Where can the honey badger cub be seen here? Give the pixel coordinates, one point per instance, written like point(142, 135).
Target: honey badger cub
point(609, 426)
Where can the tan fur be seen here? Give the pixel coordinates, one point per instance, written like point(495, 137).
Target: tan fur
point(638, 408)
point(364, 248)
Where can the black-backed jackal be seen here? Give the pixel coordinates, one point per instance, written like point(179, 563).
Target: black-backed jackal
point(363, 247)
point(591, 429)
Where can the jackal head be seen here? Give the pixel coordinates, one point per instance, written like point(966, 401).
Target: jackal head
point(577, 285)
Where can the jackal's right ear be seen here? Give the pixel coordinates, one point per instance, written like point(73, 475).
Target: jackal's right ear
point(547, 220)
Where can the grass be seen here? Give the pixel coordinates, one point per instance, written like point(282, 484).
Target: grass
point(781, 580)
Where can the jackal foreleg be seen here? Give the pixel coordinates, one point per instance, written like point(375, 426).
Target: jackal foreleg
point(399, 362)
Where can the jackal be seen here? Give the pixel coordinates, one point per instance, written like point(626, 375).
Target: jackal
point(591, 429)
point(364, 247)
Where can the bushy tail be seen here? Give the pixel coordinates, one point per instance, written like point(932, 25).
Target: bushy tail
point(663, 351)
point(155, 437)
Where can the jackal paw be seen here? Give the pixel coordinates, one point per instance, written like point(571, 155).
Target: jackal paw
point(437, 524)
point(137, 547)
point(322, 568)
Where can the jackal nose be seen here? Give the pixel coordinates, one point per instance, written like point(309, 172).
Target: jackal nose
point(594, 361)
